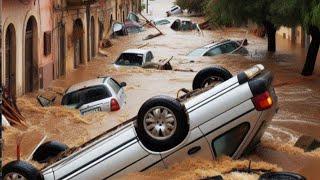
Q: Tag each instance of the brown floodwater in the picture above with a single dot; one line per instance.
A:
(299, 100)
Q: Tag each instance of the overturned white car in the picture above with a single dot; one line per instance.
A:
(226, 119)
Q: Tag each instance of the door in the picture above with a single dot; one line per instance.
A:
(196, 147)
(62, 52)
(29, 62)
(77, 52)
(93, 38)
(10, 77)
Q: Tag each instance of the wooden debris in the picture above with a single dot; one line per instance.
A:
(12, 114)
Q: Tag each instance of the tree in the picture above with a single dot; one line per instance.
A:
(306, 13)
(226, 12)
(196, 6)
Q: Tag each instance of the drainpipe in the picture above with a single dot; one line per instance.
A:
(88, 30)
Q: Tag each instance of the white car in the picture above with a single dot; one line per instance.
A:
(174, 10)
(101, 94)
(134, 57)
(217, 48)
(226, 119)
(161, 21)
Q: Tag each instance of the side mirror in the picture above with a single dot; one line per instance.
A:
(123, 84)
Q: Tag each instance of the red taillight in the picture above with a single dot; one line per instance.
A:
(262, 101)
(114, 105)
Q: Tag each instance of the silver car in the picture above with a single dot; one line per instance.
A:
(214, 119)
(223, 47)
(134, 57)
(101, 94)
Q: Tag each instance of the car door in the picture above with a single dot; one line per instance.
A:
(195, 147)
(95, 99)
(118, 90)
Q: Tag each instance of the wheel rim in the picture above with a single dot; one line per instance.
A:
(160, 123)
(14, 176)
(212, 81)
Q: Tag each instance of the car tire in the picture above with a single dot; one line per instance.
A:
(162, 123)
(207, 76)
(20, 169)
(281, 176)
(48, 150)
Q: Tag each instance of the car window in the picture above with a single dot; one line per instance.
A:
(213, 52)
(130, 59)
(149, 57)
(197, 52)
(228, 47)
(228, 143)
(114, 85)
(85, 96)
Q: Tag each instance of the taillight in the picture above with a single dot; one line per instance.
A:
(262, 101)
(114, 105)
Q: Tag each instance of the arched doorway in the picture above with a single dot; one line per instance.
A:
(31, 56)
(93, 38)
(78, 42)
(10, 61)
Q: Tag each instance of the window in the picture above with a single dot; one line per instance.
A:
(130, 59)
(197, 52)
(229, 47)
(85, 96)
(149, 57)
(114, 85)
(47, 43)
(228, 143)
(213, 52)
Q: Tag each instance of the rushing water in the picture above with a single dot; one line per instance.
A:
(299, 99)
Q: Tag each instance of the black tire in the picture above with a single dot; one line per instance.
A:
(21, 168)
(181, 123)
(48, 150)
(281, 176)
(216, 72)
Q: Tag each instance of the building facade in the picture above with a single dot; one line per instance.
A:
(43, 40)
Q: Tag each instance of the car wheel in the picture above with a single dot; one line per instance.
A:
(48, 150)
(210, 76)
(281, 176)
(20, 170)
(162, 123)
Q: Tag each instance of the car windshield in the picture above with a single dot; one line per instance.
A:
(130, 59)
(84, 96)
(197, 52)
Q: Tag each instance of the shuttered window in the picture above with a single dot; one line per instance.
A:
(47, 43)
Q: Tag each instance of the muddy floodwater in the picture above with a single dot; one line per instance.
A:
(299, 100)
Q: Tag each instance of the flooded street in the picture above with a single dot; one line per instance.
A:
(299, 100)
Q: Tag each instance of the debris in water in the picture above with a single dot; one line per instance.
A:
(307, 143)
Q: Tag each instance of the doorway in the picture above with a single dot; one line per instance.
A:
(93, 38)
(78, 42)
(62, 51)
(10, 62)
(31, 56)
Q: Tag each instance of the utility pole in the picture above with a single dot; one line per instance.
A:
(147, 6)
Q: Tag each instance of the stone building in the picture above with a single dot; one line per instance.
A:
(43, 40)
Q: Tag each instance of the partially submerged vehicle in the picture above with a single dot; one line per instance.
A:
(123, 29)
(159, 22)
(133, 17)
(222, 47)
(101, 94)
(174, 10)
(228, 118)
(184, 25)
(134, 57)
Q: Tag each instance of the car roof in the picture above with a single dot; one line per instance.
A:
(85, 84)
(216, 44)
(136, 51)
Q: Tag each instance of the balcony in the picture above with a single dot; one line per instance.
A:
(80, 2)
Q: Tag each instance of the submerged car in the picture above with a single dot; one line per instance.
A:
(184, 25)
(174, 10)
(101, 94)
(134, 57)
(159, 22)
(212, 120)
(223, 47)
